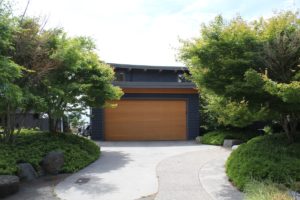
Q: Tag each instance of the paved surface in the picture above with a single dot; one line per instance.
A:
(125, 171)
(196, 175)
(40, 189)
(129, 170)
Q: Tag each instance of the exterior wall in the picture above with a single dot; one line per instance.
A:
(138, 75)
(193, 122)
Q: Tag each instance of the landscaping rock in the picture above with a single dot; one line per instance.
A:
(198, 139)
(8, 185)
(27, 172)
(295, 195)
(53, 162)
(234, 147)
(228, 143)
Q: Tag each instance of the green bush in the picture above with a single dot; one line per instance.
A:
(218, 137)
(268, 157)
(31, 146)
(266, 191)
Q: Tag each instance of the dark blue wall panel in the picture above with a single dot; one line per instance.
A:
(193, 122)
(137, 75)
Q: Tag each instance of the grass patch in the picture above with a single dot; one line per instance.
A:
(268, 157)
(31, 146)
(218, 137)
(266, 191)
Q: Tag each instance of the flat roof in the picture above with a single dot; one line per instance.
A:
(127, 84)
(148, 67)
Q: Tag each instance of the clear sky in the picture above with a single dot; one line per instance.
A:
(144, 31)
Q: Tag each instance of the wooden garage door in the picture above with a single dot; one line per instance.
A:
(146, 120)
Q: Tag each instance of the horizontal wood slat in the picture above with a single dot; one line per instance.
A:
(146, 120)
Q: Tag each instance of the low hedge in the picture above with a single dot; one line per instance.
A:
(31, 146)
(268, 157)
(218, 137)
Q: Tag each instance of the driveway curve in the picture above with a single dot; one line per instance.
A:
(127, 170)
(196, 175)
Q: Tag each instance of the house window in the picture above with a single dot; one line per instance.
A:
(181, 78)
(120, 76)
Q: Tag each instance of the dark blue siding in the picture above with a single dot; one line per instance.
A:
(193, 122)
(137, 75)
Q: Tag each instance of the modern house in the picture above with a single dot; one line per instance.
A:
(158, 104)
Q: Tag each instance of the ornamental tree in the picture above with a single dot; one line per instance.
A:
(250, 70)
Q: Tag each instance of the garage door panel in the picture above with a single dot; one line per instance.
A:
(146, 120)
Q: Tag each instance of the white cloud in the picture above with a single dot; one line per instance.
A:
(137, 31)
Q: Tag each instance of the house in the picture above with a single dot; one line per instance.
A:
(158, 104)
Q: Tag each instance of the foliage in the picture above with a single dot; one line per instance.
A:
(268, 157)
(266, 191)
(47, 71)
(31, 146)
(208, 118)
(250, 70)
(217, 137)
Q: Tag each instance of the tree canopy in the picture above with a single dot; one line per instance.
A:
(249, 71)
(46, 71)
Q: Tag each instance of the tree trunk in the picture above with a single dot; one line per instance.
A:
(289, 123)
(51, 124)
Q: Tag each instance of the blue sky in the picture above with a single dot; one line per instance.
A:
(144, 31)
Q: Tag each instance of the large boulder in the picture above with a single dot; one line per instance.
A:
(27, 172)
(53, 162)
(8, 185)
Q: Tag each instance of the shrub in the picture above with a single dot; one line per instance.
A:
(31, 146)
(268, 157)
(218, 137)
(266, 191)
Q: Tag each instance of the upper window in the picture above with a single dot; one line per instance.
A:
(120, 76)
(181, 78)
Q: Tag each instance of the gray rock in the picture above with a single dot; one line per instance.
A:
(53, 162)
(8, 185)
(228, 143)
(27, 172)
(234, 147)
(295, 195)
(198, 139)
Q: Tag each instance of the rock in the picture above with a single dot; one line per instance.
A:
(53, 162)
(234, 147)
(198, 139)
(27, 172)
(8, 185)
(228, 143)
(295, 195)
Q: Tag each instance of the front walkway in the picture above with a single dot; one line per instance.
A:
(129, 170)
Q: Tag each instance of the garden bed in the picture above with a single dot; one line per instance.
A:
(268, 157)
(32, 146)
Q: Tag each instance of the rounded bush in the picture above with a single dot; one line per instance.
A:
(268, 157)
(32, 146)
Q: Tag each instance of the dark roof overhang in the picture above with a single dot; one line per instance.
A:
(161, 85)
(148, 67)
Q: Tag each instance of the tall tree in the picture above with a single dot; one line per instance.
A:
(250, 70)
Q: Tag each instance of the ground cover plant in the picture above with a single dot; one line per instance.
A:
(31, 146)
(269, 157)
(217, 137)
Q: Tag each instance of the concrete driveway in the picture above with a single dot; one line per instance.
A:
(125, 171)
